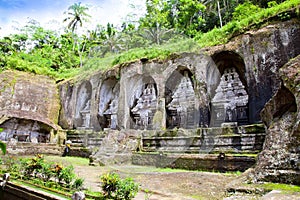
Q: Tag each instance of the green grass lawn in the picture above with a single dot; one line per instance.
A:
(75, 161)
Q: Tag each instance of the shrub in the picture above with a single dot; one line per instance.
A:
(109, 184)
(126, 189)
(78, 183)
(115, 188)
(245, 10)
(66, 174)
(46, 171)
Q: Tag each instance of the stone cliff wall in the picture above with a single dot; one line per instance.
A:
(280, 159)
(179, 92)
(29, 105)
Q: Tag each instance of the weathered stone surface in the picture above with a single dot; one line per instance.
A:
(116, 148)
(109, 100)
(28, 96)
(195, 161)
(31, 103)
(280, 159)
(256, 56)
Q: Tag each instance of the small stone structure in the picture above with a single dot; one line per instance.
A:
(181, 109)
(230, 104)
(83, 107)
(108, 103)
(144, 109)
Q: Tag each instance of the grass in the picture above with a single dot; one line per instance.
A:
(285, 188)
(170, 170)
(75, 161)
(160, 52)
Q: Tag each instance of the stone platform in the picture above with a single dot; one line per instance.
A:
(212, 149)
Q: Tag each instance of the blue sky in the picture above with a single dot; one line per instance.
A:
(15, 14)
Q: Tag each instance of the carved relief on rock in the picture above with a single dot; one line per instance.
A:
(22, 130)
(181, 109)
(230, 103)
(108, 104)
(83, 106)
(145, 108)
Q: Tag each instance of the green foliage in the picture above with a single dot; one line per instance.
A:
(115, 188)
(33, 166)
(222, 35)
(2, 145)
(189, 17)
(165, 30)
(244, 10)
(135, 54)
(66, 175)
(78, 183)
(76, 15)
(109, 184)
(126, 189)
(46, 172)
(43, 173)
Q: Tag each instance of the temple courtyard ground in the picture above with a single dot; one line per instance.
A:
(172, 184)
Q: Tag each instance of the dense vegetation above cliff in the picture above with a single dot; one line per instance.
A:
(167, 28)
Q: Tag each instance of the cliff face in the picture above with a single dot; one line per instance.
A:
(280, 159)
(115, 99)
(29, 105)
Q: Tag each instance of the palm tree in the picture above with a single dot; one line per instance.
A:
(77, 14)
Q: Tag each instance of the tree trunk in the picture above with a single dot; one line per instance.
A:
(219, 12)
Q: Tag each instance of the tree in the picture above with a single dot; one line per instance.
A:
(190, 16)
(184, 16)
(77, 14)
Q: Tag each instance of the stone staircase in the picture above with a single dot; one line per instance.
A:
(84, 141)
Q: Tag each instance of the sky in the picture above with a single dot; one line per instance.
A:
(14, 14)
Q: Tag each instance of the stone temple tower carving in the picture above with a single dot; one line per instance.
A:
(230, 103)
(145, 108)
(182, 107)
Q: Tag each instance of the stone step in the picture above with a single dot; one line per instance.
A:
(204, 150)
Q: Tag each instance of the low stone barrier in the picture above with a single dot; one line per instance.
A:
(207, 162)
(19, 192)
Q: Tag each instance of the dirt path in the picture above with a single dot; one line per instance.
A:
(181, 185)
(166, 184)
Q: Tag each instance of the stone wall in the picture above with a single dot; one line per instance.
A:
(195, 161)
